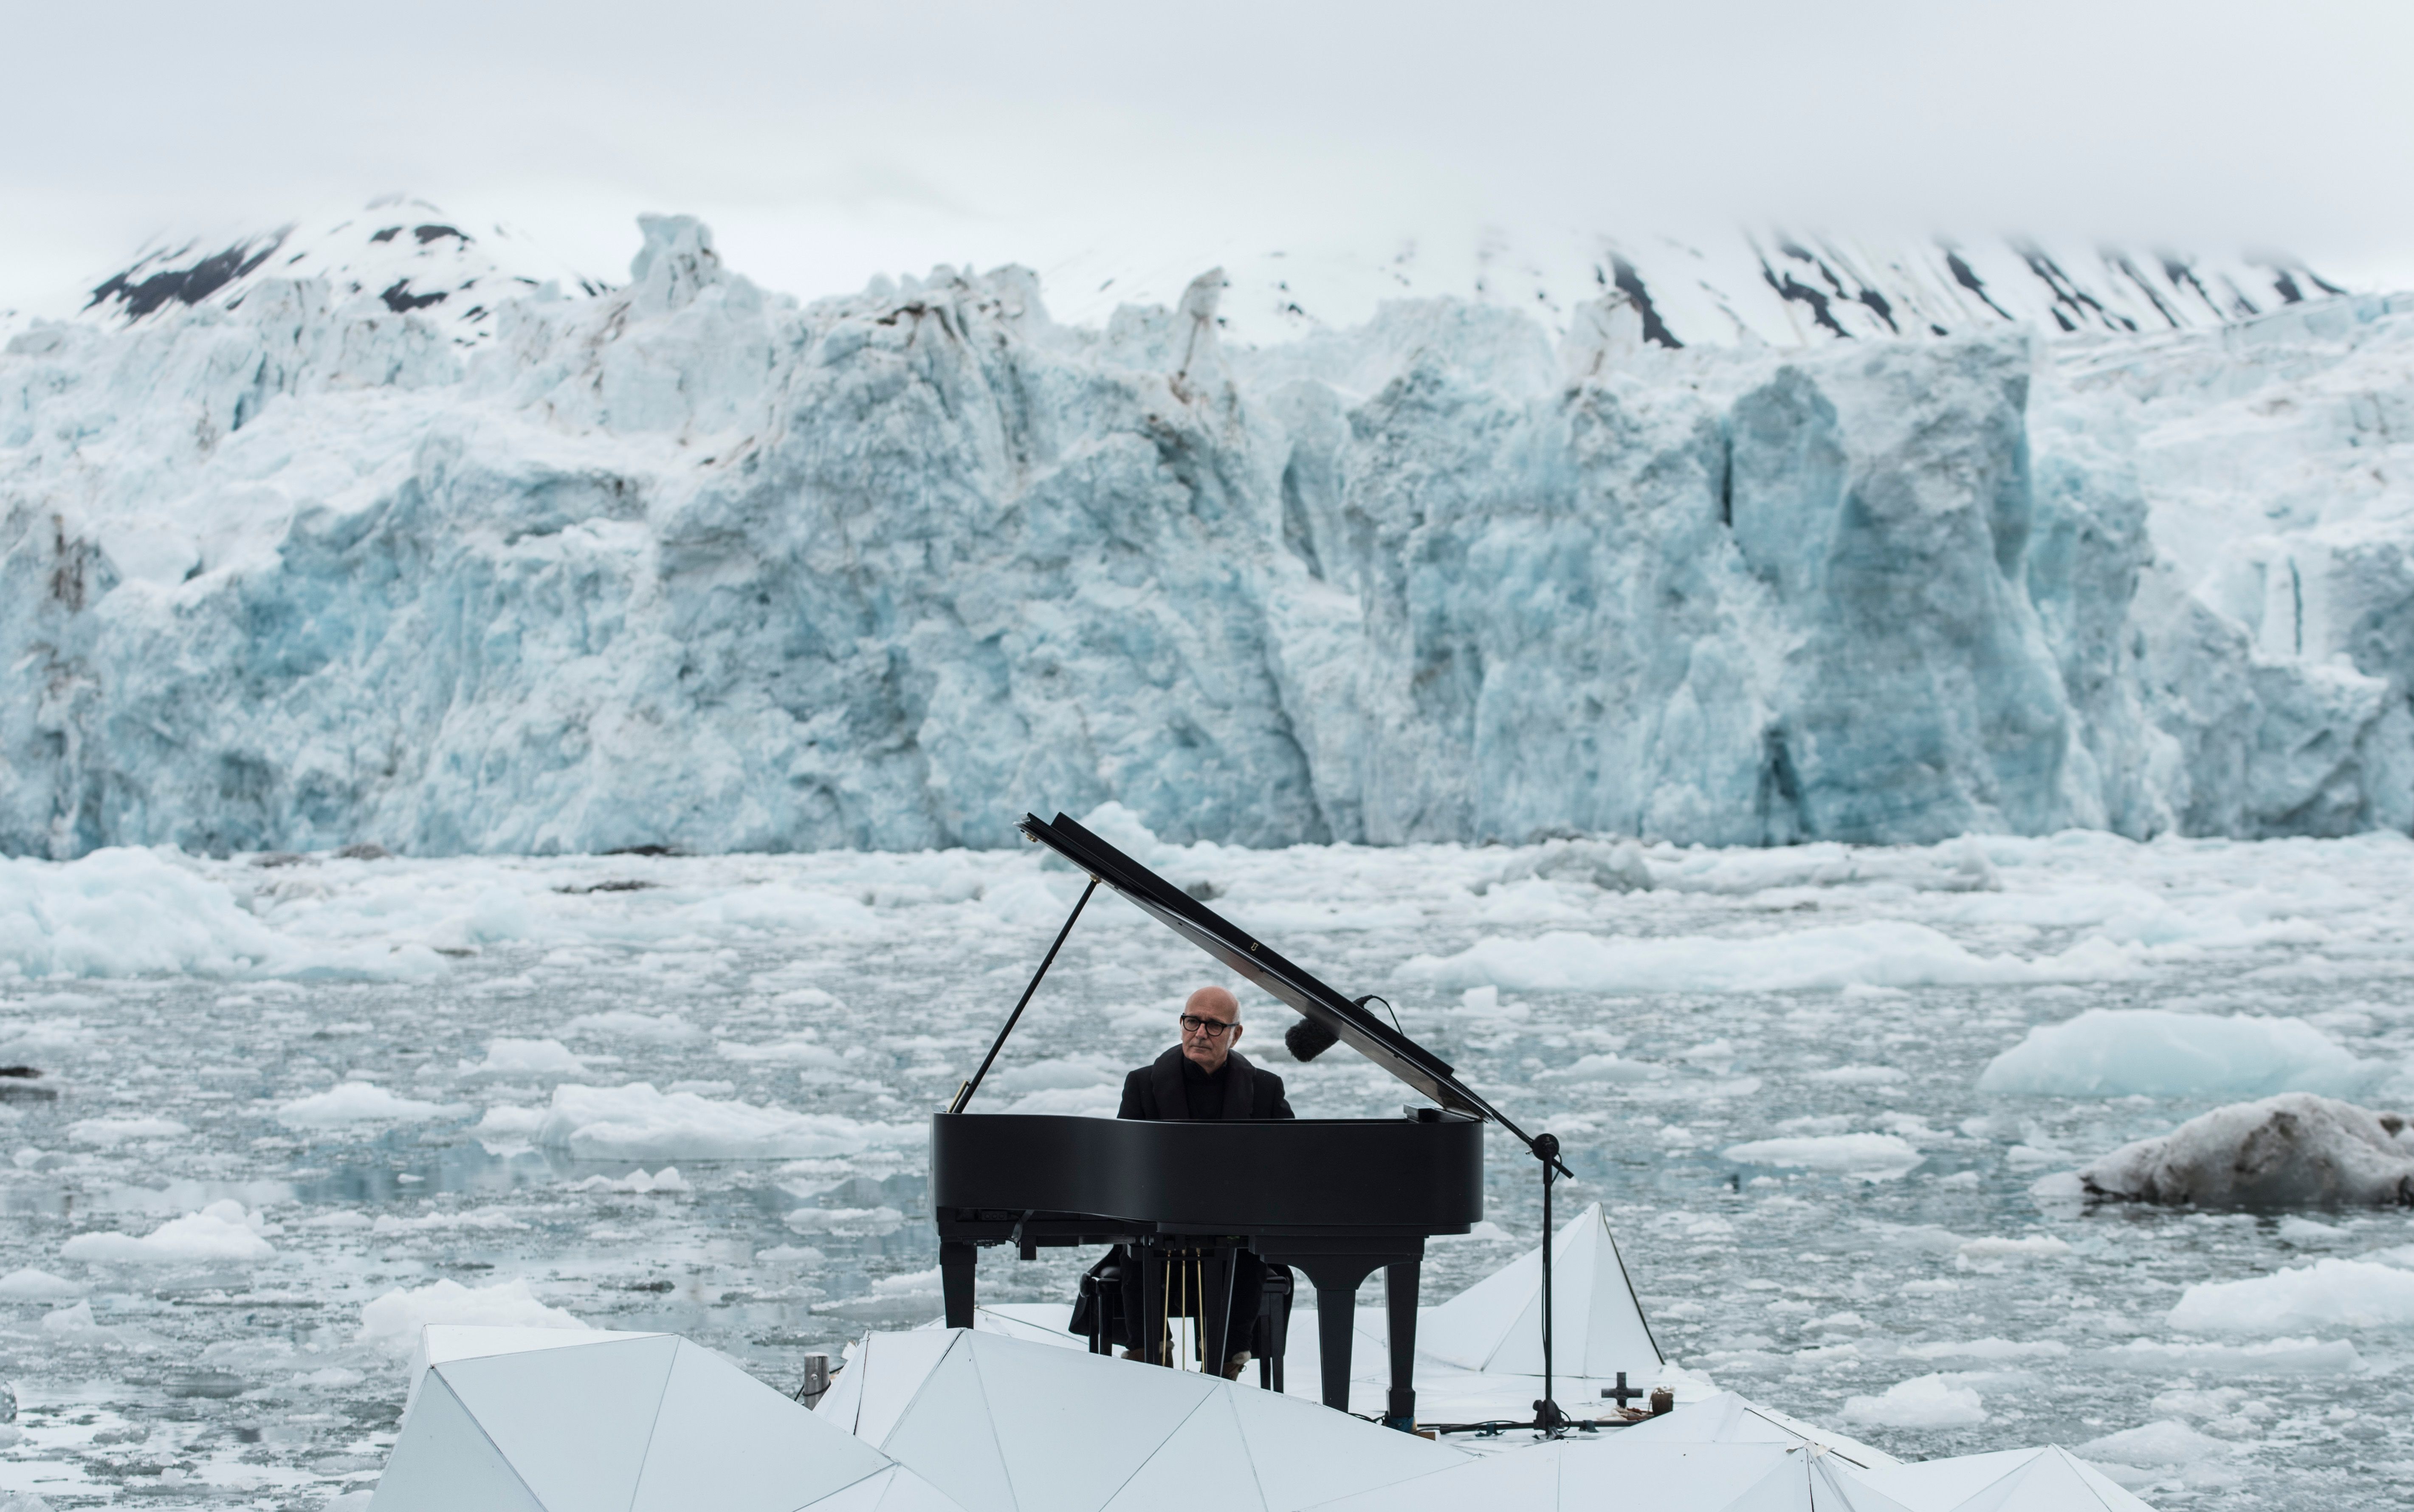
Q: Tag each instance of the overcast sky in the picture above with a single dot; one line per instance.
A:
(829, 143)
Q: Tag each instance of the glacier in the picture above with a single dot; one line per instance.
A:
(687, 564)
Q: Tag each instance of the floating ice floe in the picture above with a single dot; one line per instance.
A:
(525, 1057)
(1886, 952)
(28, 1284)
(2116, 1052)
(123, 1131)
(637, 1422)
(222, 1232)
(2295, 1150)
(639, 1122)
(2328, 1293)
(1872, 1157)
(360, 1102)
(392, 1322)
(125, 911)
(1937, 1400)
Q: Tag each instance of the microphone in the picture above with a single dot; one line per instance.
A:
(1307, 1039)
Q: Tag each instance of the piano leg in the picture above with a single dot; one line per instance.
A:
(956, 1262)
(1216, 1308)
(1336, 1318)
(1151, 1326)
(1400, 1308)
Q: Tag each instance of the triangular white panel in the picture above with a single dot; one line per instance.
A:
(1073, 1426)
(909, 1492)
(444, 1462)
(1834, 1488)
(2009, 1480)
(724, 1433)
(945, 1437)
(1939, 1485)
(1608, 1475)
(1725, 1418)
(2053, 1481)
(574, 1423)
(1204, 1467)
(440, 1343)
(1785, 1487)
(892, 1368)
(1597, 1327)
(1522, 1480)
(1306, 1453)
(862, 1496)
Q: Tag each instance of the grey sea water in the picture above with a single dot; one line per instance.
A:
(1848, 1002)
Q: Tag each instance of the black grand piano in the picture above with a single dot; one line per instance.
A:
(1335, 1198)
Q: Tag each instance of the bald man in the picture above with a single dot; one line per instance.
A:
(1204, 1078)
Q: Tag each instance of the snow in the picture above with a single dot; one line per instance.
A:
(391, 1322)
(360, 1102)
(1450, 574)
(220, 1232)
(2115, 1052)
(2328, 1293)
(1922, 1401)
(2294, 1150)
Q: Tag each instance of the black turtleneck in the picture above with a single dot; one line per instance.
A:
(1202, 1090)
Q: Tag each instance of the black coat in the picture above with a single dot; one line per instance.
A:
(1155, 1091)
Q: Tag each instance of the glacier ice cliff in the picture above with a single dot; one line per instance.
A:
(683, 563)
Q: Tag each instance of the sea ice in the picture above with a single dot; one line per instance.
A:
(2167, 1442)
(523, 1058)
(222, 1231)
(1877, 953)
(637, 1122)
(2295, 1150)
(1922, 1401)
(2328, 1293)
(360, 1102)
(392, 1321)
(31, 1285)
(2115, 1052)
(1873, 1157)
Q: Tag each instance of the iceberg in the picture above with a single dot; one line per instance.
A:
(2294, 1150)
(541, 568)
(2118, 1052)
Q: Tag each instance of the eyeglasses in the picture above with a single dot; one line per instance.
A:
(1211, 1028)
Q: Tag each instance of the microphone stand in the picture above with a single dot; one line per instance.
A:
(1548, 1419)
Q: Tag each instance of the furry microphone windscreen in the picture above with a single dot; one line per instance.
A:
(1307, 1039)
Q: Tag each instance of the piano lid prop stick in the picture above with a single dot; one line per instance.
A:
(964, 1093)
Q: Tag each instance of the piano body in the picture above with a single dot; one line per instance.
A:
(1334, 1198)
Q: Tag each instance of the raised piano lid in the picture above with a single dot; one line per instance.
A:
(1258, 962)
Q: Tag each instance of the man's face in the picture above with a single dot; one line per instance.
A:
(1210, 1022)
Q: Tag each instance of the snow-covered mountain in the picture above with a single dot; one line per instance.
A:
(292, 563)
(400, 253)
(1776, 287)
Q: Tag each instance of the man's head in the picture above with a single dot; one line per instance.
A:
(1211, 1024)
